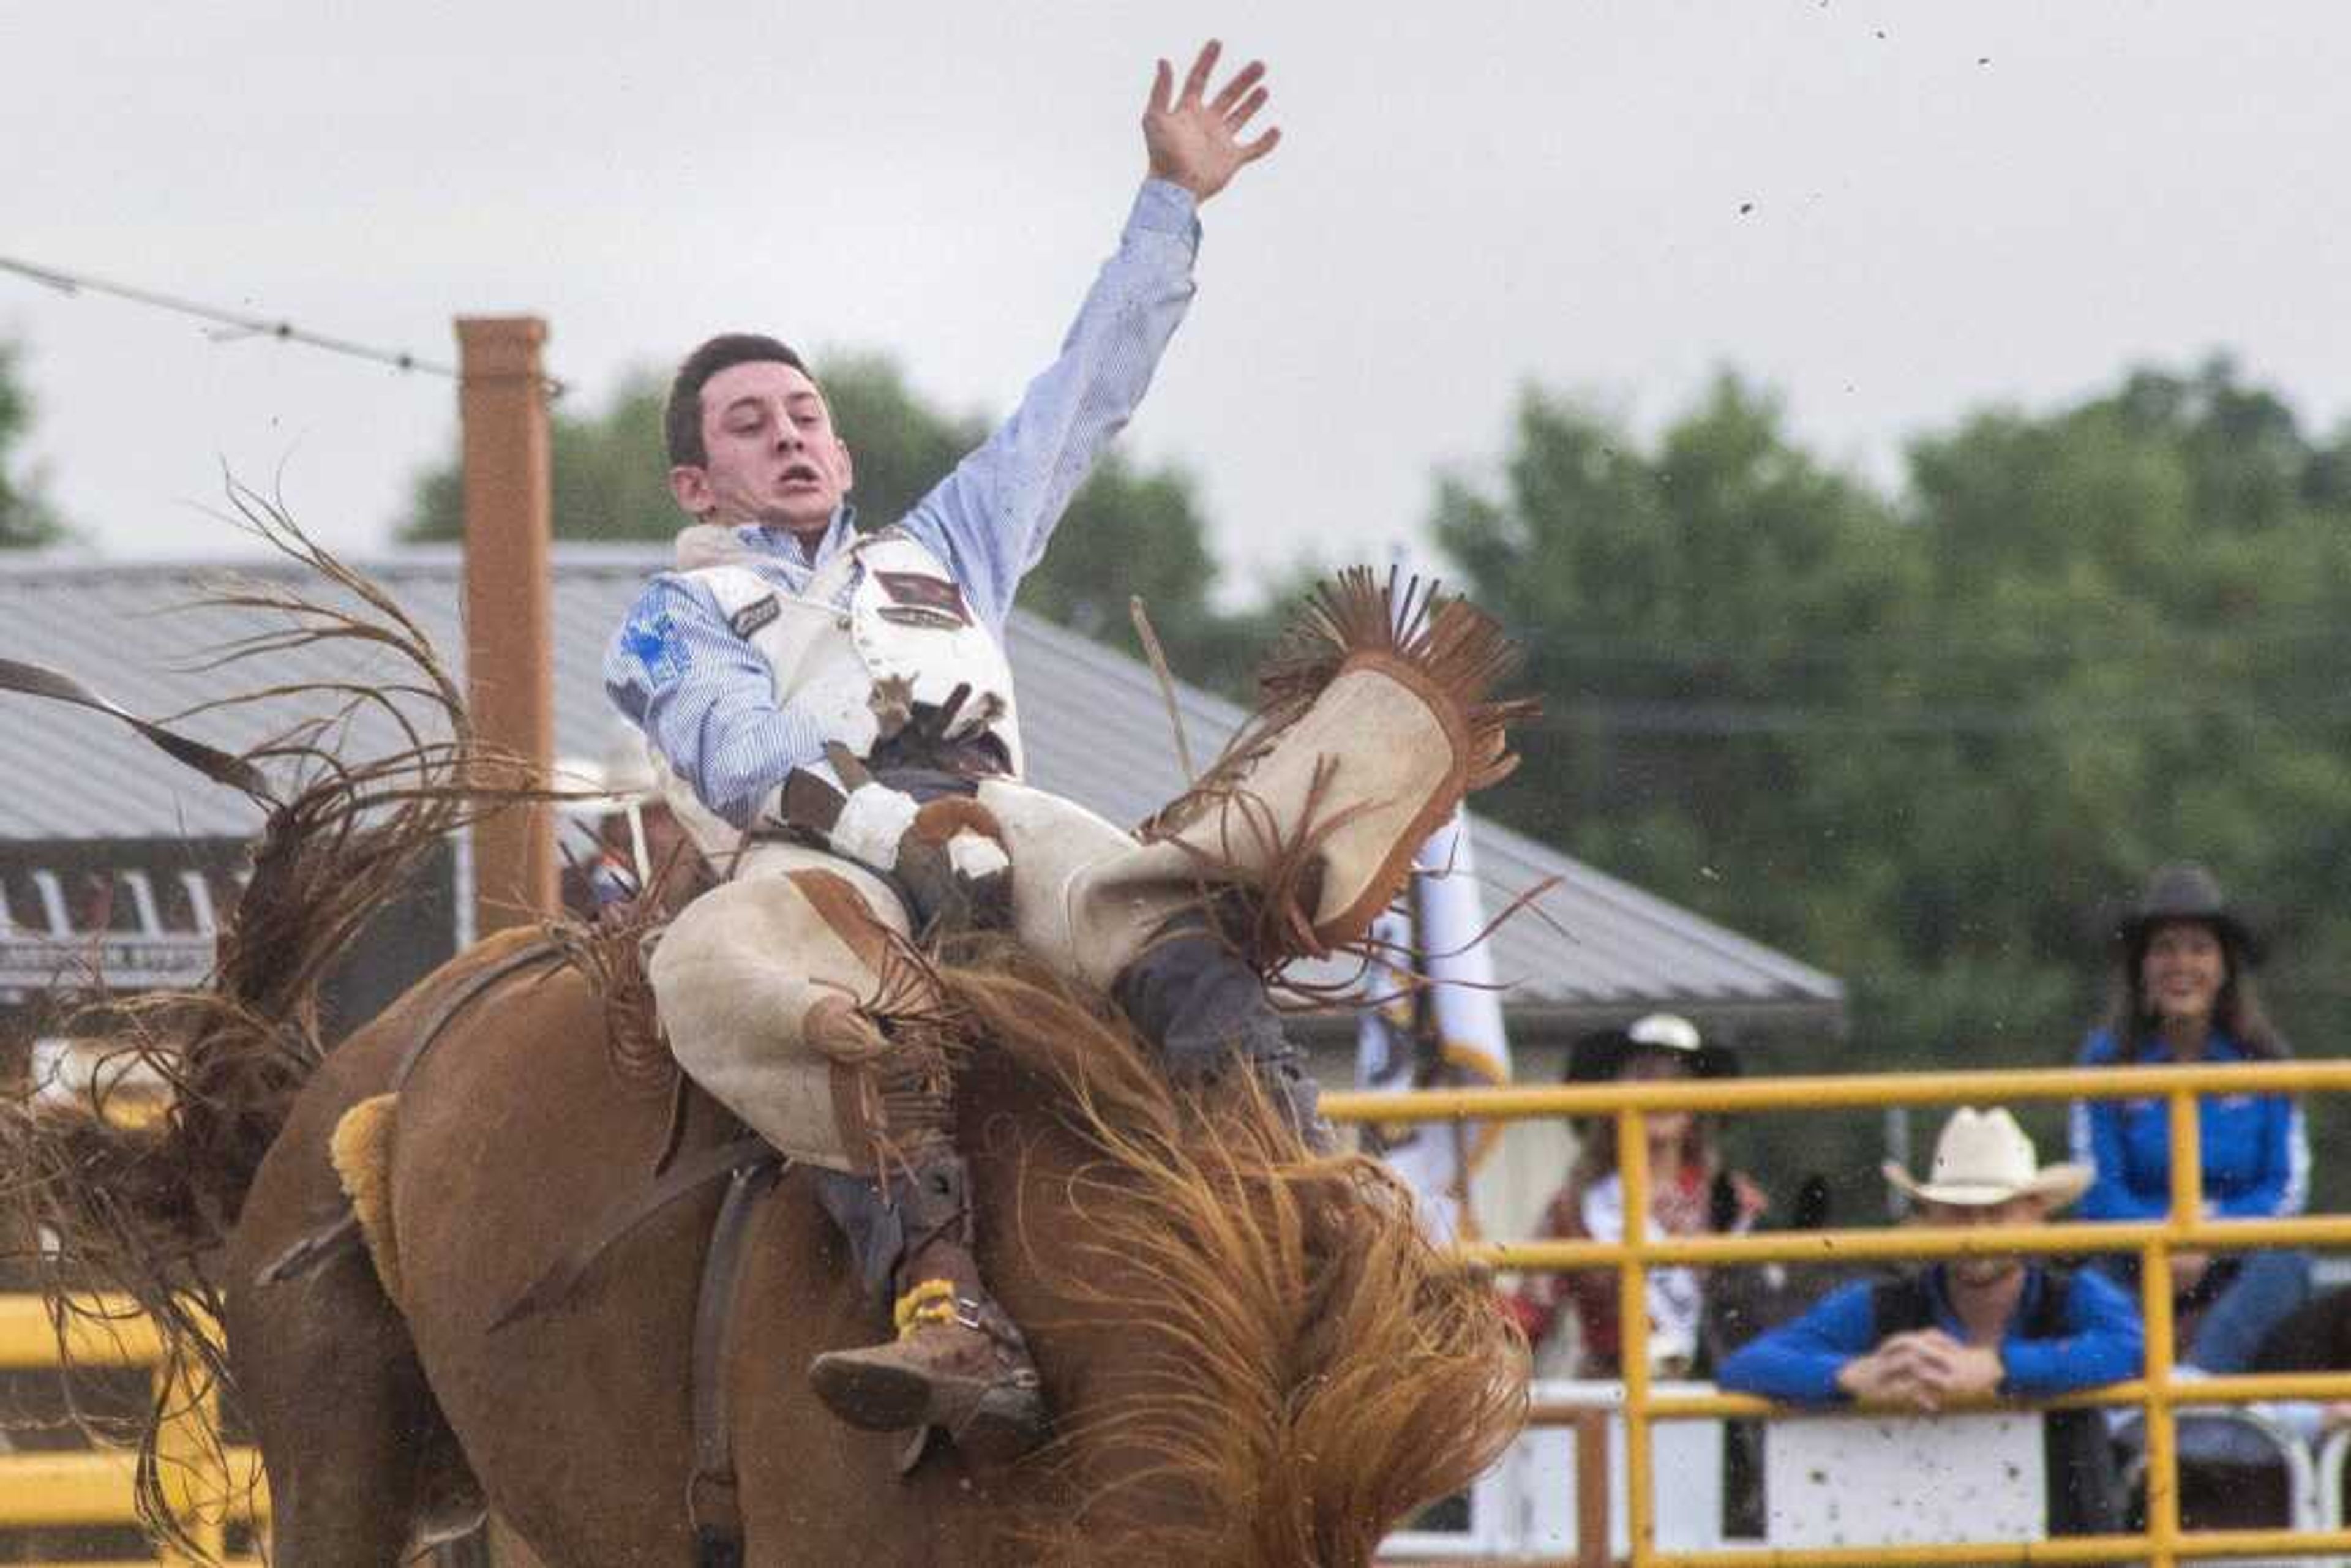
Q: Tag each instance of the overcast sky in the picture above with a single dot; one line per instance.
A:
(1943, 206)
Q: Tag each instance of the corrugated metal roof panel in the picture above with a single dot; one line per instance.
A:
(1094, 721)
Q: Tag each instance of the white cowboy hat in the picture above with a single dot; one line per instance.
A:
(1983, 1157)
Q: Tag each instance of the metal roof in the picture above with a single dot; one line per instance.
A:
(1094, 720)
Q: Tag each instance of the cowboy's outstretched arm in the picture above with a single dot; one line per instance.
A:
(991, 518)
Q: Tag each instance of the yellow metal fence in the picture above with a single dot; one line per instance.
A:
(65, 1488)
(2158, 1391)
(95, 1487)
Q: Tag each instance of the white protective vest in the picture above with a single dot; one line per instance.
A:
(908, 636)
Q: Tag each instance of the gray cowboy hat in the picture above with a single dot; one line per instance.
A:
(1597, 1057)
(2186, 892)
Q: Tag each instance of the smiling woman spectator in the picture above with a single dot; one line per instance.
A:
(2186, 994)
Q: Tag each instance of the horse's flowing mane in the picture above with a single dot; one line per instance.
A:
(1311, 1368)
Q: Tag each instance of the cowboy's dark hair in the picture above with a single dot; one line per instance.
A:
(2237, 1011)
(682, 418)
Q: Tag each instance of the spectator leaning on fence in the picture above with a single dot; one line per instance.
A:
(2186, 994)
(1691, 1194)
(1972, 1326)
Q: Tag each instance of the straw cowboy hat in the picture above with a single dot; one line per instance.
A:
(1983, 1157)
(2186, 892)
(1600, 1055)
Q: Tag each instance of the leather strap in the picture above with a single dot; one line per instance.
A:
(713, 1501)
(696, 1170)
(313, 1250)
(536, 954)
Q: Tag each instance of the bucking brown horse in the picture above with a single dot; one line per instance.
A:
(1251, 1354)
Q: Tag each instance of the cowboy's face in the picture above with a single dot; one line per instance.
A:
(2183, 971)
(1979, 1271)
(772, 457)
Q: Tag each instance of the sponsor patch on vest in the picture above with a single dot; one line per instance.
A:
(931, 600)
(753, 616)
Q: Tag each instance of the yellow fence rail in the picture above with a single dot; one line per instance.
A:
(95, 1487)
(210, 1486)
(2164, 1541)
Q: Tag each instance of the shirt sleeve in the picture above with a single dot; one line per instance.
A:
(1800, 1359)
(705, 700)
(2284, 1186)
(989, 520)
(2104, 1342)
(2095, 1133)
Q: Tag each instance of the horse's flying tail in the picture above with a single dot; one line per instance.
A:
(137, 1209)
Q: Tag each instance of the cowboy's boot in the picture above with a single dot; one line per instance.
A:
(958, 1364)
(1205, 1010)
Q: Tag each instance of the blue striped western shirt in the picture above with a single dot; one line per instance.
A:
(706, 698)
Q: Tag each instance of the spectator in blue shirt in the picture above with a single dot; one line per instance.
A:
(2186, 994)
(1972, 1326)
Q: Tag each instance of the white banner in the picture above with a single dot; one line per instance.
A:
(1449, 1034)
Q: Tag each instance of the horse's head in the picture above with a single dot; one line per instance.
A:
(1254, 1354)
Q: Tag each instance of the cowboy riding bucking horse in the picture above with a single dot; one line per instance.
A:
(832, 714)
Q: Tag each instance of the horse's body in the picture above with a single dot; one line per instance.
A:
(577, 1420)
(514, 1138)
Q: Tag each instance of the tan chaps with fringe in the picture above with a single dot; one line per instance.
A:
(770, 986)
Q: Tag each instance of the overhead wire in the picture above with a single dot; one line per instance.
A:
(231, 326)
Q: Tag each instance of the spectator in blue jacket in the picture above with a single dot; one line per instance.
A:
(1972, 1326)
(2186, 994)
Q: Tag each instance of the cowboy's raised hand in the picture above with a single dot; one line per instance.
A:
(1194, 138)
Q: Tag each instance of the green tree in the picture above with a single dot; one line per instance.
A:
(26, 519)
(1687, 611)
(2156, 580)
(609, 479)
(1923, 742)
(1130, 531)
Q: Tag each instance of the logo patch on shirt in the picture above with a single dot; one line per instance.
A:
(753, 616)
(923, 600)
(653, 641)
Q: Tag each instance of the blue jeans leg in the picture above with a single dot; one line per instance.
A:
(2268, 1286)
